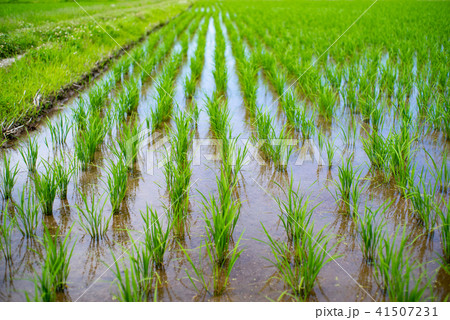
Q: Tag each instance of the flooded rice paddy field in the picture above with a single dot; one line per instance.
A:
(348, 277)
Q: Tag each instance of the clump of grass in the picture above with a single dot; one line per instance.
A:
(326, 101)
(116, 183)
(59, 130)
(370, 232)
(27, 212)
(91, 218)
(8, 177)
(376, 149)
(396, 271)
(348, 177)
(423, 201)
(129, 140)
(98, 95)
(155, 238)
(127, 100)
(445, 233)
(331, 150)
(46, 184)
(6, 229)
(30, 154)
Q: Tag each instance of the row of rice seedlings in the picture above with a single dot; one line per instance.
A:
(89, 138)
(27, 212)
(197, 61)
(278, 148)
(30, 154)
(91, 217)
(164, 92)
(6, 229)
(220, 68)
(219, 116)
(396, 271)
(59, 130)
(55, 267)
(370, 231)
(8, 177)
(273, 71)
(178, 170)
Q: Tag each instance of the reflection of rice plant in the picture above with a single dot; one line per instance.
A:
(8, 177)
(6, 229)
(27, 211)
(46, 184)
(91, 218)
(30, 154)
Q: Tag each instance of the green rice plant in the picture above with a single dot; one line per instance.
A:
(423, 201)
(59, 130)
(46, 185)
(355, 193)
(63, 175)
(396, 271)
(278, 79)
(281, 149)
(57, 257)
(155, 238)
(299, 269)
(376, 149)
(347, 177)
(326, 101)
(30, 154)
(98, 95)
(44, 285)
(219, 116)
(80, 115)
(441, 174)
(116, 183)
(127, 100)
(444, 232)
(190, 85)
(306, 124)
(6, 229)
(350, 99)
(376, 117)
(88, 139)
(129, 139)
(221, 216)
(370, 231)
(91, 218)
(8, 177)
(27, 212)
(136, 283)
(331, 150)
(220, 274)
(295, 214)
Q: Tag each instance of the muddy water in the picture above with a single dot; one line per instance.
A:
(253, 278)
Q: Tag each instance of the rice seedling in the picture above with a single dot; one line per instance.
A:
(295, 214)
(27, 212)
(63, 175)
(6, 229)
(331, 150)
(370, 231)
(423, 201)
(190, 85)
(30, 154)
(91, 217)
(98, 95)
(376, 149)
(444, 232)
(281, 149)
(136, 283)
(129, 139)
(8, 177)
(220, 274)
(441, 174)
(46, 185)
(155, 237)
(299, 269)
(219, 116)
(57, 258)
(59, 130)
(347, 177)
(396, 271)
(116, 183)
(44, 285)
(127, 100)
(326, 101)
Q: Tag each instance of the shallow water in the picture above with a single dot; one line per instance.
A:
(253, 278)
